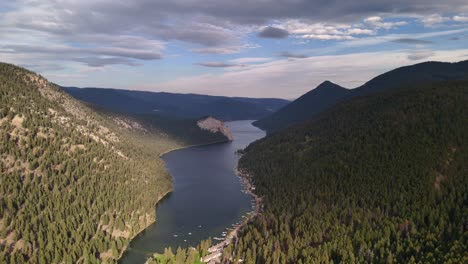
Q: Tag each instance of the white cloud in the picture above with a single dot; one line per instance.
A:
(326, 37)
(378, 22)
(360, 31)
(460, 18)
(250, 60)
(336, 31)
(433, 20)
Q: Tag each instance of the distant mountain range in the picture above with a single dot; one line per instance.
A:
(178, 105)
(328, 94)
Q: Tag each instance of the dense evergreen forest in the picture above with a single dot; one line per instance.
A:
(75, 185)
(378, 179)
(182, 255)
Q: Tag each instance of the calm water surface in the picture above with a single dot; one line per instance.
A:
(207, 196)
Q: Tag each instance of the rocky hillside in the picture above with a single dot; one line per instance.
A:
(214, 126)
(75, 184)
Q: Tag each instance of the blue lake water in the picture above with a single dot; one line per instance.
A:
(207, 196)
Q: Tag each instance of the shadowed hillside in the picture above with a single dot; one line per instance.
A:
(304, 107)
(377, 179)
(178, 105)
(318, 101)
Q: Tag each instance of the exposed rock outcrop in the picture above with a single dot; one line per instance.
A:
(214, 125)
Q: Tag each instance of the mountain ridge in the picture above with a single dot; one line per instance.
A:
(402, 76)
(179, 105)
(324, 95)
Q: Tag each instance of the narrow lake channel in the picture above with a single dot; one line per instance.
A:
(207, 196)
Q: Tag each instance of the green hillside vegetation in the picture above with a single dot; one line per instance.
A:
(181, 255)
(378, 179)
(75, 185)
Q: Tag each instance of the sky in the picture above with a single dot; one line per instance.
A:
(254, 48)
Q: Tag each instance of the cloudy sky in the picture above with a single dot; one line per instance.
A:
(257, 48)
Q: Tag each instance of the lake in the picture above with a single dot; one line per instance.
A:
(207, 196)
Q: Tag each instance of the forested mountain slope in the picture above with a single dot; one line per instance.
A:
(75, 185)
(378, 179)
(321, 99)
(178, 105)
(314, 101)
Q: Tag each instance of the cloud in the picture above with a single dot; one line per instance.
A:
(215, 64)
(100, 62)
(250, 60)
(273, 32)
(378, 22)
(420, 54)
(412, 41)
(226, 49)
(324, 31)
(360, 31)
(132, 33)
(292, 55)
(326, 37)
(94, 57)
(222, 50)
(460, 18)
(433, 20)
(375, 40)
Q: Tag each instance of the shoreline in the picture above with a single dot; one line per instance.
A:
(192, 146)
(143, 229)
(216, 250)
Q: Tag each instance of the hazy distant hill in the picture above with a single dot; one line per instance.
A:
(77, 184)
(180, 105)
(376, 179)
(329, 94)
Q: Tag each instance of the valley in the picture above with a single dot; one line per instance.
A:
(233, 132)
(207, 197)
(368, 175)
